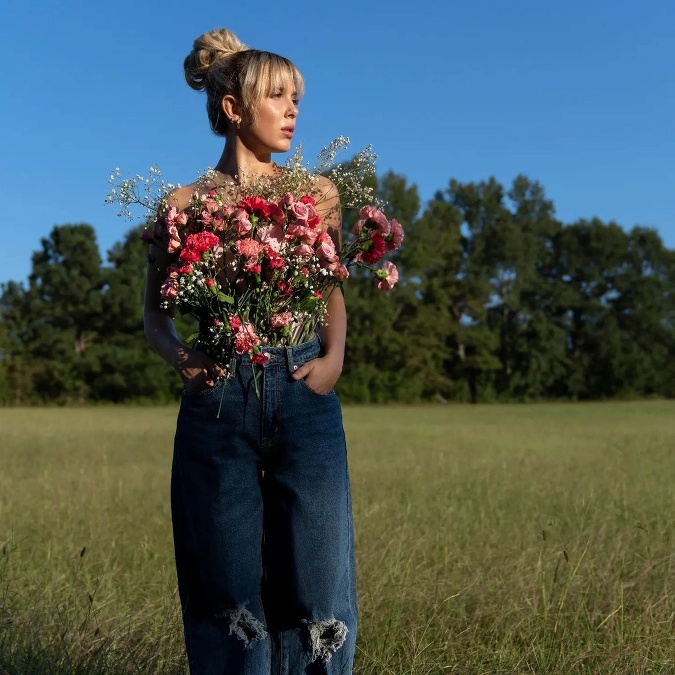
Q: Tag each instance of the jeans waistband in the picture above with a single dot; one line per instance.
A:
(287, 356)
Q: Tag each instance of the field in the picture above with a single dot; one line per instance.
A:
(490, 539)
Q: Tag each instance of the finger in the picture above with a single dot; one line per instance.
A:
(302, 371)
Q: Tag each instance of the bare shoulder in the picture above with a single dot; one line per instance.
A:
(326, 192)
(180, 197)
(328, 206)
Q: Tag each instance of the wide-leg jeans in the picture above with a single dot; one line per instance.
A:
(262, 522)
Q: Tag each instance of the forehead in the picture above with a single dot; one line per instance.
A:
(282, 77)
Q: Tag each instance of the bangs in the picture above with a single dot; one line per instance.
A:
(266, 73)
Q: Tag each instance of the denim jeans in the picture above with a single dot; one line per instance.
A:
(262, 523)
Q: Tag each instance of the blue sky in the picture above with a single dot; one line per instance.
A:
(577, 95)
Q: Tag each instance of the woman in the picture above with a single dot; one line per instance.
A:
(260, 494)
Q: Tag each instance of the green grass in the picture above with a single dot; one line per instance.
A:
(490, 539)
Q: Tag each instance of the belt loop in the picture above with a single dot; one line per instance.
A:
(289, 359)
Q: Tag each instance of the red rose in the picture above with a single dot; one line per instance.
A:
(259, 358)
(306, 199)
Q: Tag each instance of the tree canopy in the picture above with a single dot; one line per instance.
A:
(497, 300)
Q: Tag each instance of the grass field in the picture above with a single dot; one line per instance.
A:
(496, 539)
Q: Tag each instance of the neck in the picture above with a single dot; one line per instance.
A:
(239, 160)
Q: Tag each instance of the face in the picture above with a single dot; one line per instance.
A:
(272, 130)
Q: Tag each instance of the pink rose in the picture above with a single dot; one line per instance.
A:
(313, 218)
(271, 235)
(211, 205)
(300, 211)
(296, 230)
(287, 201)
(303, 251)
(386, 276)
(325, 248)
(205, 217)
(281, 319)
(241, 222)
(309, 236)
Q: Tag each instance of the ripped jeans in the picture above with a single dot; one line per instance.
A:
(262, 523)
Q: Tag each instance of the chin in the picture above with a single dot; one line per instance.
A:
(284, 146)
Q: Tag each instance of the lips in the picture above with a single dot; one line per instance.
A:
(288, 131)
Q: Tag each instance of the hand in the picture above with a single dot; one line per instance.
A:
(320, 374)
(197, 369)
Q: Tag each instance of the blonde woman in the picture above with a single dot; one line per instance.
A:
(260, 494)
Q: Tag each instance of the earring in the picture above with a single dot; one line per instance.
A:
(237, 122)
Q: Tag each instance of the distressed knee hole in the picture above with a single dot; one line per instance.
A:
(325, 638)
(244, 625)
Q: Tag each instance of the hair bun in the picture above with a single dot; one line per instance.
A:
(208, 48)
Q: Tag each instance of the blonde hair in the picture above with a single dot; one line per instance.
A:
(221, 64)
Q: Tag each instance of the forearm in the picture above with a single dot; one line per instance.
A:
(334, 333)
(161, 334)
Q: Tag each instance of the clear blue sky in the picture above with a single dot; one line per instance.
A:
(577, 95)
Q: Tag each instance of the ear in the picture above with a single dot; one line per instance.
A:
(231, 107)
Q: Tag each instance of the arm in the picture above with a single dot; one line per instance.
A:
(321, 374)
(196, 369)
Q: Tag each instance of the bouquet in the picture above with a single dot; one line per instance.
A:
(258, 271)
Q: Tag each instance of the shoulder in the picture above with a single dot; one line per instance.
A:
(327, 198)
(180, 197)
(326, 189)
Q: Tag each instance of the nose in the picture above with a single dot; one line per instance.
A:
(292, 109)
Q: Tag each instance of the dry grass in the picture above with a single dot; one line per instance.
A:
(502, 539)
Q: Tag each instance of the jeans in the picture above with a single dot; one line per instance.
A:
(262, 523)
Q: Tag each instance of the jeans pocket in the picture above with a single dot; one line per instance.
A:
(316, 393)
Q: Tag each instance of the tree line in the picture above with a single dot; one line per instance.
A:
(497, 300)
